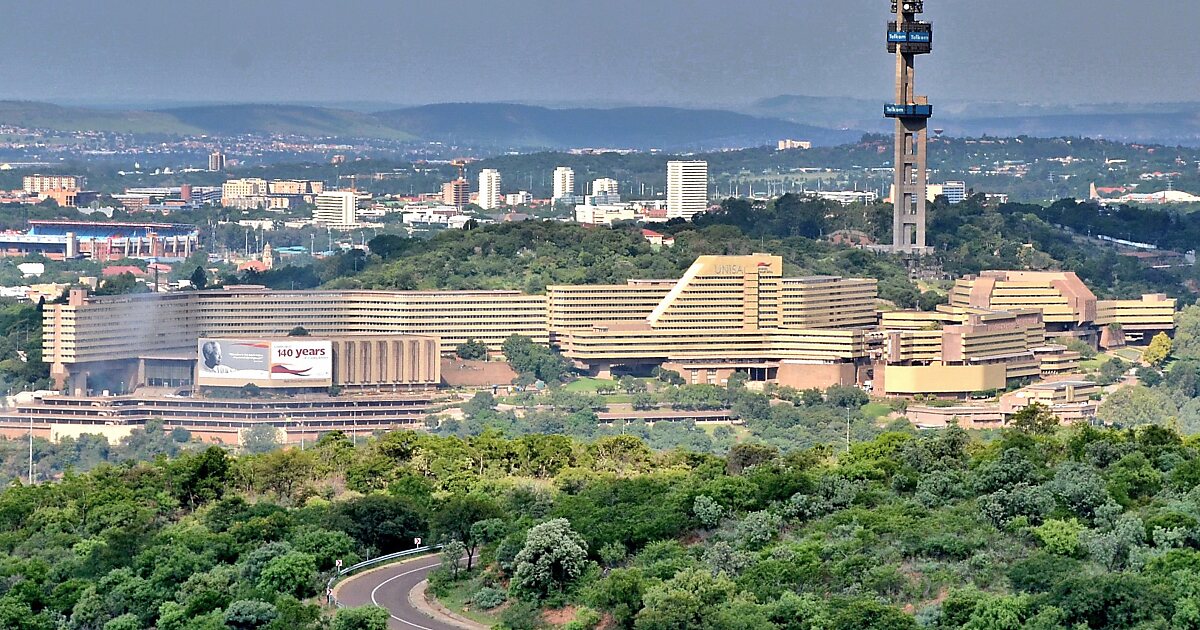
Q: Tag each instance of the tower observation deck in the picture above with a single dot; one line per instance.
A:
(908, 37)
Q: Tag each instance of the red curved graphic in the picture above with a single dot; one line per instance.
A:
(283, 369)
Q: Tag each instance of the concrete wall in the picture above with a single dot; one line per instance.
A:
(900, 380)
(803, 376)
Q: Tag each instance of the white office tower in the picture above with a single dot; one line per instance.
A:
(489, 189)
(956, 192)
(687, 189)
(564, 183)
(606, 186)
(336, 209)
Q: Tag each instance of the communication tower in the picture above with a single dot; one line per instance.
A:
(908, 37)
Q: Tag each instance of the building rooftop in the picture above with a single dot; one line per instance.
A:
(1057, 385)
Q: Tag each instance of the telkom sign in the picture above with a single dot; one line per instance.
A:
(264, 362)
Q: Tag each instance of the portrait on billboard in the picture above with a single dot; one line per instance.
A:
(238, 361)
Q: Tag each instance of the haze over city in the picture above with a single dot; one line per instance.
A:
(690, 52)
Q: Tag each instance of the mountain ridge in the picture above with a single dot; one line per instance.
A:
(494, 125)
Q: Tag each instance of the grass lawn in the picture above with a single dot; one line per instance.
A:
(1130, 354)
(1094, 363)
(740, 432)
(458, 600)
(587, 385)
(876, 410)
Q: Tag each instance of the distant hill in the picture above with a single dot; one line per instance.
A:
(298, 120)
(33, 115)
(823, 111)
(625, 127)
(1161, 123)
(1179, 128)
(493, 125)
(822, 120)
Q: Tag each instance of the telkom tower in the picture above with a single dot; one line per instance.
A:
(908, 37)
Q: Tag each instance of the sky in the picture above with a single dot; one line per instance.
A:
(681, 52)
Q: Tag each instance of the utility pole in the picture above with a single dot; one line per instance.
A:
(847, 430)
(31, 448)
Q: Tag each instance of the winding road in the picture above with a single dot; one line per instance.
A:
(389, 587)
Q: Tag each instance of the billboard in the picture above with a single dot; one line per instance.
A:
(294, 362)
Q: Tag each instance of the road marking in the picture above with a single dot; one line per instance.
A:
(392, 579)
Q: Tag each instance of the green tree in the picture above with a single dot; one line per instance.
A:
(362, 618)
(1079, 487)
(1036, 419)
(1136, 406)
(452, 558)
(530, 358)
(128, 621)
(1060, 537)
(554, 556)
(122, 284)
(685, 601)
(199, 279)
(260, 438)
(1187, 333)
(847, 397)
(707, 511)
(643, 402)
(482, 404)
(472, 350)
(999, 613)
(250, 615)
(1112, 371)
(293, 573)
(1158, 351)
(631, 385)
(385, 523)
(298, 331)
(388, 246)
(863, 614)
(201, 478)
(456, 519)
(620, 594)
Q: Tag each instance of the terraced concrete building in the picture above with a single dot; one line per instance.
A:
(726, 314)
(1068, 306)
(93, 336)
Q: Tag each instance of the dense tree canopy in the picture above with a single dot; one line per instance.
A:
(1028, 527)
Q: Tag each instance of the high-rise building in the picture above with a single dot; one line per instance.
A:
(564, 183)
(522, 198)
(234, 191)
(908, 37)
(489, 189)
(456, 193)
(687, 189)
(337, 209)
(295, 187)
(36, 184)
(788, 144)
(955, 192)
(216, 161)
(606, 186)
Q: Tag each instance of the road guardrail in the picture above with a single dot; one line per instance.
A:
(355, 568)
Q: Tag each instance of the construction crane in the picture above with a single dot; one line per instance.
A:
(353, 181)
(461, 165)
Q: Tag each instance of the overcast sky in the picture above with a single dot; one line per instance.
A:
(693, 52)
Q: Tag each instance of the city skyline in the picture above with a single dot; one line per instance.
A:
(654, 53)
